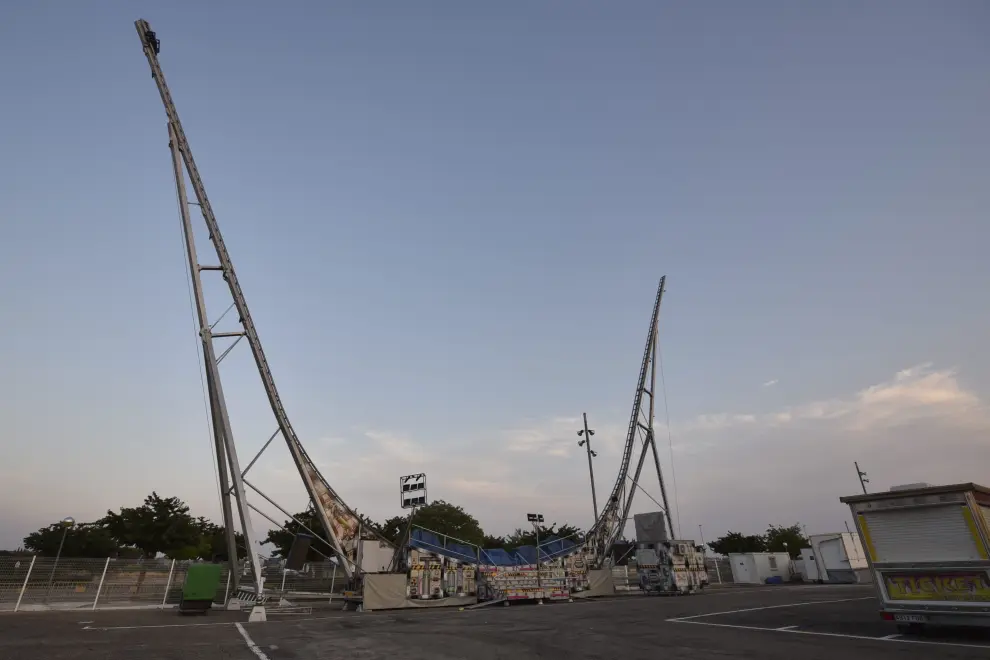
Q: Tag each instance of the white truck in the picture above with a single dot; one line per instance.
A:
(927, 547)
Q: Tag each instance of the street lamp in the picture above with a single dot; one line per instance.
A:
(585, 441)
(863, 479)
(536, 519)
(66, 523)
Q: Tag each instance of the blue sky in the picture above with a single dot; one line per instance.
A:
(450, 219)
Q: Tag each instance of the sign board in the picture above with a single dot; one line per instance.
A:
(412, 491)
(960, 586)
(296, 558)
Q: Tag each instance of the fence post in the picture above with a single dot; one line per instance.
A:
(24, 586)
(168, 585)
(718, 573)
(283, 580)
(226, 592)
(102, 578)
(333, 580)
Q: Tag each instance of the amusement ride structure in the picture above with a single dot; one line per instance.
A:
(343, 529)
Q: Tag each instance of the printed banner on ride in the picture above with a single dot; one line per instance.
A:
(971, 586)
(345, 526)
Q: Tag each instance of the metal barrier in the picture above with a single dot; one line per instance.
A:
(44, 583)
(719, 570)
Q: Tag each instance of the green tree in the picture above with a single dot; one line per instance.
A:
(528, 536)
(213, 541)
(449, 519)
(786, 539)
(159, 526)
(83, 540)
(282, 539)
(393, 528)
(492, 542)
(736, 542)
(570, 532)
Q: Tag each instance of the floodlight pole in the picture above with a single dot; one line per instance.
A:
(591, 469)
(418, 485)
(863, 479)
(536, 519)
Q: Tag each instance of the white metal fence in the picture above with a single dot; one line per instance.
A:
(34, 582)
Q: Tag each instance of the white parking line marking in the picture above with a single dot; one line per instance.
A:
(894, 640)
(772, 607)
(250, 643)
(163, 625)
(221, 623)
(894, 636)
(782, 628)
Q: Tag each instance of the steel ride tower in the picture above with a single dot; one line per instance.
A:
(342, 527)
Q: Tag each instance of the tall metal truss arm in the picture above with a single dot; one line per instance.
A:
(222, 435)
(612, 520)
(307, 470)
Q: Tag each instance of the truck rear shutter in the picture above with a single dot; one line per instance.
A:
(932, 533)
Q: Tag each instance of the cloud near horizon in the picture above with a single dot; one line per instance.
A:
(735, 470)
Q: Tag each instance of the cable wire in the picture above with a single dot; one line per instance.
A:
(670, 441)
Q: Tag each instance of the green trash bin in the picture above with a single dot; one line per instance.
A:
(200, 588)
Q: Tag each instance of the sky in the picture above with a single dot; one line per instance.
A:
(449, 220)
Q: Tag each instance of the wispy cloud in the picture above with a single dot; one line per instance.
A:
(912, 394)
(770, 383)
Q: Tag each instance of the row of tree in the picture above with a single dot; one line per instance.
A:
(164, 526)
(440, 517)
(160, 526)
(776, 539)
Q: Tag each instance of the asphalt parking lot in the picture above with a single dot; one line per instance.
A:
(775, 623)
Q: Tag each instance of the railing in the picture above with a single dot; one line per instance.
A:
(719, 570)
(44, 583)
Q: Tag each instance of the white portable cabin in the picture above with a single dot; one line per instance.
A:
(838, 557)
(929, 551)
(375, 556)
(756, 567)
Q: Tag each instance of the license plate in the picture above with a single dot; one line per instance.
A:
(911, 618)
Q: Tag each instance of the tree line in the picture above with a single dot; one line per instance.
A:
(165, 526)
(788, 539)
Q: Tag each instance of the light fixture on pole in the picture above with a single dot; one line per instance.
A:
(412, 494)
(863, 479)
(537, 519)
(412, 491)
(66, 523)
(585, 441)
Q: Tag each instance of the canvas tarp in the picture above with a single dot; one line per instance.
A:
(387, 591)
(600, 583)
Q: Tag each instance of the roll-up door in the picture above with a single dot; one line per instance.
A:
(931, 533)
